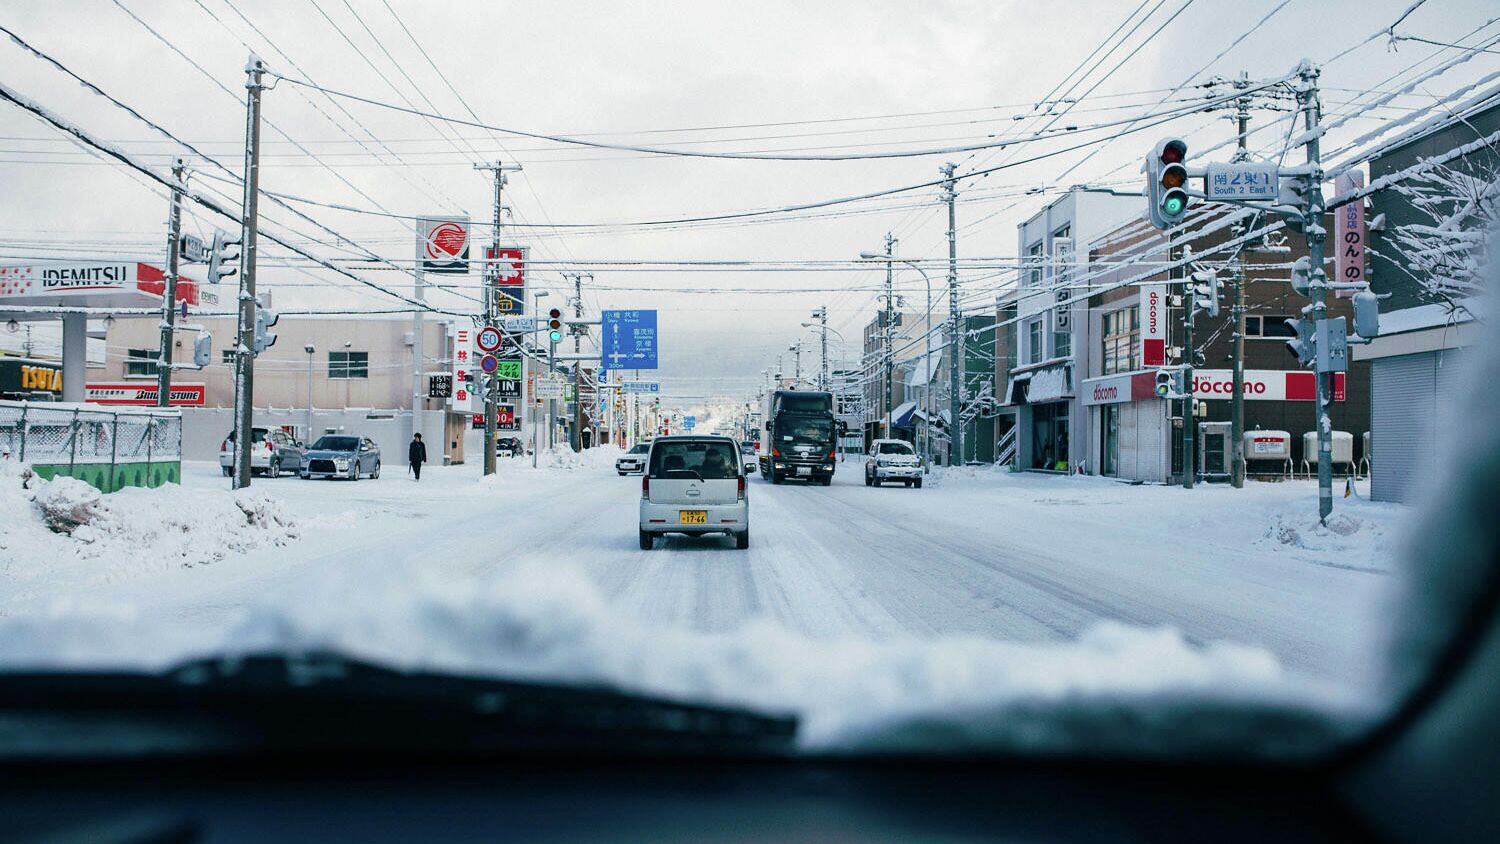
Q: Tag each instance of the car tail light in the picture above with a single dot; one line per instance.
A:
(742, 487)
(268, 445)
(645, 487)
(225, 445)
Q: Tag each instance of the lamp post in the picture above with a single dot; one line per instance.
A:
(927, 358)
(309, 349)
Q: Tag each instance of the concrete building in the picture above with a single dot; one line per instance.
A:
(1039, 396)
(358, 378)
(1132, 434)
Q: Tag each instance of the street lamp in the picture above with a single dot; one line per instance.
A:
(309, 349)
(926, 360)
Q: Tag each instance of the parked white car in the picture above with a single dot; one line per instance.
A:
(694, 486)
(893, 460)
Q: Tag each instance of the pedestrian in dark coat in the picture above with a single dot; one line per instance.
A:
(416, 455)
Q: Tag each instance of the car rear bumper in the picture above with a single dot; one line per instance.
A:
(719, 518)
(259, 459)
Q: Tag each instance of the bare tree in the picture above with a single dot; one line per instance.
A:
(1460, 202)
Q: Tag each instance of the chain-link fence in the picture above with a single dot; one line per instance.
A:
(110, 449)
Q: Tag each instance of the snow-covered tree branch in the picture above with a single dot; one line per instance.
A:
(1446, 251)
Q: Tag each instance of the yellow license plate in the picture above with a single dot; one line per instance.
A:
(693, 517)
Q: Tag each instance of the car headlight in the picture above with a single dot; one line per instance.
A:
(341, 462)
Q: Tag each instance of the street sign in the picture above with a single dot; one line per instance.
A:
(505, 417)
(509, 369)
(629, 340)
(193, 249)
(1241, 180)
(507, 388)
(640, 386)
(443, 244)
(689, 422)
(439, 386)
(489, 363)
(509, 268)
(549, 388)
(518, 323)
(488, 338)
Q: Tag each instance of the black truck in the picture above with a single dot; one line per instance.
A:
(798, 437)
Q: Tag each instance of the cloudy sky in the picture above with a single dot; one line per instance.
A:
(817, 78)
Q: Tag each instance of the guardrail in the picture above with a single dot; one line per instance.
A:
(110, 448)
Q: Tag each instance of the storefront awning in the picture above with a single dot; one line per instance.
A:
(1049, 384)
(1015, 389)
(901, 416)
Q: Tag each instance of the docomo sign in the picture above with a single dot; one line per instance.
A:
(1263, 385)
(1153, 325)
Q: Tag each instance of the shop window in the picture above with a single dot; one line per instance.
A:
(1268, 327)
(348, 364)
(1034, 262)
(1122, 335)
(226, 357)
(141, 362)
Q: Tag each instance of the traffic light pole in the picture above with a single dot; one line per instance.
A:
(1312, 224)
(1188, 418)
(883, 427)
(169, 291)
(956, 341)
(488, 382)
(244, 358)
(1237, 315)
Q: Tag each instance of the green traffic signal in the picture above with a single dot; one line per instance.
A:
(1174, 204)
(555, 336)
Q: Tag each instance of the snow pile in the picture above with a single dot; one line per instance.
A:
(542, 620)
(1344, 532)
(50, 525)
(566, 459)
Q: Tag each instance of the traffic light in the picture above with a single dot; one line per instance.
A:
(264, 319)
(1206, 292)
(1302, 276)
(1166, 183)
(203, 349)
(1366, 314)
(1304, 345)
(554, 325)
(1164, 383)
(217, 259)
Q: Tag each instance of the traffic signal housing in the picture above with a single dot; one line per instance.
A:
(203, 349)
(1167, 198)
(1166, 383)
(1303, 344)
(554, 325)
(264, 319)
(217, 259)
(1206, 292)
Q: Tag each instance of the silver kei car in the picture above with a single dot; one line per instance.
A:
(694, 486)
(893, 460)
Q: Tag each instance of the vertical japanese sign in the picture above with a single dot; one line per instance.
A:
(463, 352)
(1153, 325)
(1349, 232)
(443, 244)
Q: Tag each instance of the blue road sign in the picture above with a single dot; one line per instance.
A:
(640, 386)
(629, 340)
(689, 422)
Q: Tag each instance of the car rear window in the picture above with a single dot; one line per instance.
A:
(706, 459)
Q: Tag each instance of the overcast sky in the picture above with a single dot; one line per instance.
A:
(643, 73)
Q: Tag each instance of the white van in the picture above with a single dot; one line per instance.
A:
(694, 486)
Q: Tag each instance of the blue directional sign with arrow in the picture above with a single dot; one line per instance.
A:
(629, 340)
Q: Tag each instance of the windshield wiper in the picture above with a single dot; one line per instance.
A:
(277, 703)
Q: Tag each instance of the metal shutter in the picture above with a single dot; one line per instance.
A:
(1403, 399)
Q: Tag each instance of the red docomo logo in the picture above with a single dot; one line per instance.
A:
(1226, 387)
(1153, 302)
(446, 241)
(1103, 393)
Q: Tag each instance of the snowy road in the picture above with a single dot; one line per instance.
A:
(1009, 557)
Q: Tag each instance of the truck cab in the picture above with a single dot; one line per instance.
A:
(799, 438)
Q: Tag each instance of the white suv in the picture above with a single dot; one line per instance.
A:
(694, 485)
(893, 460)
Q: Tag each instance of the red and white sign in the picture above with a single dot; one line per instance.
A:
(1212, 384)
(1349, 234)
(463, 342)
(489, 338)
(507, 266)
(1153, 325)
(91, 279)
(443, 244)
(144, 394)
(1263, 385)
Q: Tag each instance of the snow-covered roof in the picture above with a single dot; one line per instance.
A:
(1435, 315)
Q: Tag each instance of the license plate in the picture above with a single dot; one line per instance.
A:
(693, 517)
(804, 470)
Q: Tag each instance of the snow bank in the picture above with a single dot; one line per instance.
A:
(1144, 688)
(48, 527)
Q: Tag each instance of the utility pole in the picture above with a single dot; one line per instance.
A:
(890, 338)
(822, 314)
(1188, 417)
(578, 365)
(1312, 224)
(1237, 313)
(796, 350)
(244, 358)
(955, 344)
(491, 290)
(169, 293)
